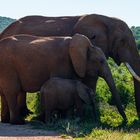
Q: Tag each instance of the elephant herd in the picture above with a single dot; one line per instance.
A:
(62, 57)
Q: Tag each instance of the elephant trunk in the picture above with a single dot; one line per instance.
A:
(107, 76)
(132, 72)
(132, 61)
(134, 68)
(137, 96)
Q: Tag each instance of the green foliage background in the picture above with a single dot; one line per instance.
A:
(136, 33)
(4, 22)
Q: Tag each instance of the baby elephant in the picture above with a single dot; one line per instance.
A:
(64, 94)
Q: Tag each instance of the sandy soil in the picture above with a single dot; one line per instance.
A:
(25, 132)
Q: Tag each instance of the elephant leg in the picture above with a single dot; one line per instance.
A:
(47, 116)
(24, 111)
(41, 116)
(137, 96)
(94, 109)
(15, 117)
(70, 113)
(79, 109)
(63, 114)
(5, 115)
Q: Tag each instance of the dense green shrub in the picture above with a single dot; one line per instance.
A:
(138, 44)
(136, 33)
(33, 102)
(4, 22)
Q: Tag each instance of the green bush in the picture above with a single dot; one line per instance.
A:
(136, 33)
(138, 44)
(33, 102)
(4, 22)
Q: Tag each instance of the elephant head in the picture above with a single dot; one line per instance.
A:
(89, 62)
(125, 51)
(116, 40)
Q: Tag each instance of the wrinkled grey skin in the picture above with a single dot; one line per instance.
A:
(28, 61)
(112, 35)
(58, 94)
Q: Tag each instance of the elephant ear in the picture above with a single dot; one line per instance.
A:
(83, 92)
(78, 53)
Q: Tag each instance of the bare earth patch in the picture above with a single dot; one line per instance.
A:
(25, 132)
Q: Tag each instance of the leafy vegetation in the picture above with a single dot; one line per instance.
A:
(136, 33)
(4, 22)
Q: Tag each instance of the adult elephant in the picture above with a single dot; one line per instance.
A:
(28, 61)
(112, 35)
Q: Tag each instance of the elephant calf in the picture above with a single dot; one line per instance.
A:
(63, 94)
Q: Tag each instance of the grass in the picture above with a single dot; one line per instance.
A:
(108, 134)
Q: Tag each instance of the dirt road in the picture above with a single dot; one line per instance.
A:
(25, 132)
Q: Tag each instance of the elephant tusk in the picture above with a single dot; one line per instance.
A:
(132, 72)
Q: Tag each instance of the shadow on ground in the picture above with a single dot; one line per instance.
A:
(24, 130)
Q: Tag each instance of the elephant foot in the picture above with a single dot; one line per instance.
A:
(5, 120)
(17, 121)
(40, 117)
